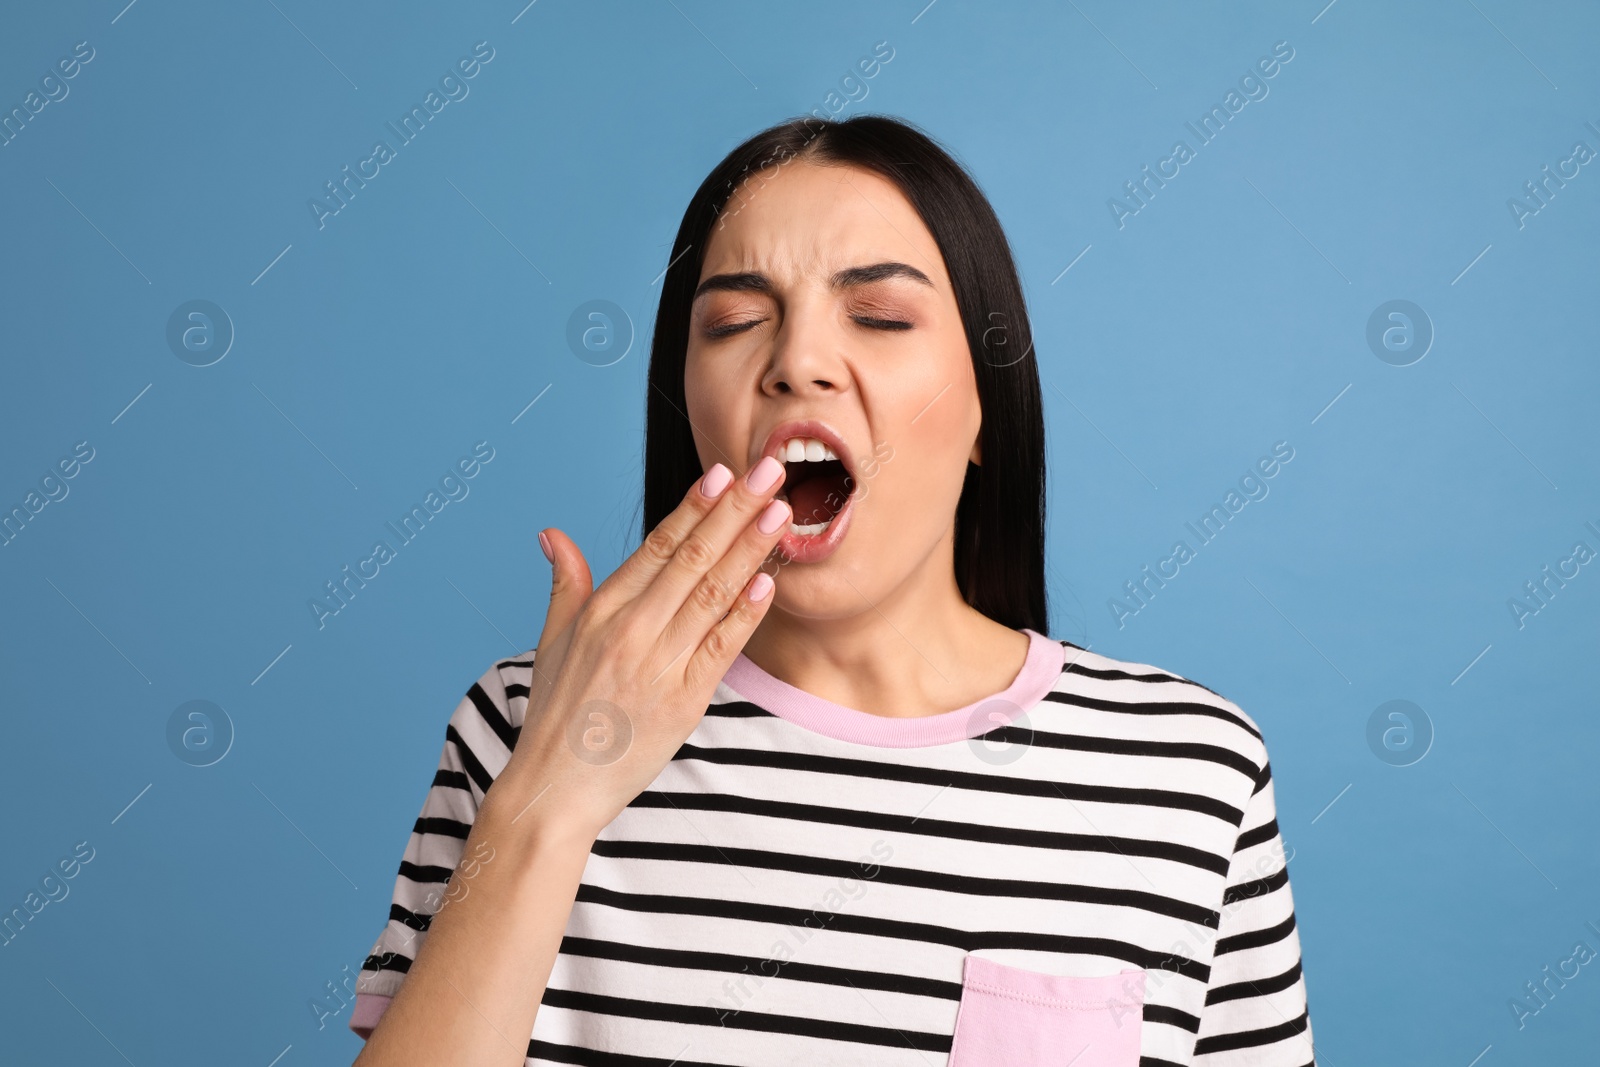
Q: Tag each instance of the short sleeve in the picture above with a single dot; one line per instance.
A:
(1255, 1012)
(478, 741)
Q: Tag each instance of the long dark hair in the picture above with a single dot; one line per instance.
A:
(999, 535)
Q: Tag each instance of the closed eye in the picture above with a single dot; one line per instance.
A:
(730, 328)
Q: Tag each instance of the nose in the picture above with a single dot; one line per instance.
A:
(807, 357)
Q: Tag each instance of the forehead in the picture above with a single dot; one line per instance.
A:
(804, 221)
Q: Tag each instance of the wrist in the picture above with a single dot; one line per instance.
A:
(529, 817)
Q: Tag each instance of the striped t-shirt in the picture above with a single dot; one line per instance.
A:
(1084, 868)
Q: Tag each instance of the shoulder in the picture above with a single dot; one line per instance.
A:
(496, 702)
(510, 678)
(1130, 698)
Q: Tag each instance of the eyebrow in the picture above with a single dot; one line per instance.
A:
(755, 281)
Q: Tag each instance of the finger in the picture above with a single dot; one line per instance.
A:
(725, 640)
(705, 545)
(712, 596)
(571, 585)
(640, 570)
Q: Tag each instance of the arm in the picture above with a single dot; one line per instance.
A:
(474, 989)
(436, 867)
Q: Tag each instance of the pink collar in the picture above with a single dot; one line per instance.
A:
(1039, 674)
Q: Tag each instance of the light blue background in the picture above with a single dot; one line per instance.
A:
(1230, 313)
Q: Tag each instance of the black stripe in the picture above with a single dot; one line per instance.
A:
(492, 715)
(445, 827)
(761, 968)
(1257, 888)
(544, 1050)
(387, 961)
(1250, 838)
(1255, 938)
(445, 778)
(1153, 707)
(739, 709)
(1076, 666)
(503, 664)
(1251, 1038)
(1108, 674)
(1121, 746)
(424, 873)
(704, 1015)
(972, 885)
(1100, 672)
(476, 770)
(991, 783)
(970, 940)
(743, 709)
(1258, 988)
(911, 824)
(1161, 1013)
(515, 689)
(1264, 777)
(406, 917)
(1152, 1061)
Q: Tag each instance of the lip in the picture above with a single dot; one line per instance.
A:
(798, 548)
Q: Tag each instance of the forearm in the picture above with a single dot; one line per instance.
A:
(474, 988)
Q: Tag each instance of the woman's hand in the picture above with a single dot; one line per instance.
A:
(624, 673)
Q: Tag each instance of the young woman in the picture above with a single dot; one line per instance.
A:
(805, 780)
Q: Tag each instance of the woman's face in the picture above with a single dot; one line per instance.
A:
(825, 313)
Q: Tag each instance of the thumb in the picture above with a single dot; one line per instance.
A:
(570, 582)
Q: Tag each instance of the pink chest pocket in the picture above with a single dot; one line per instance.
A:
(1013, 1017)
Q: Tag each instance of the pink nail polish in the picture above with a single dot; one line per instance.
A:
(716, 480)
(764, 475)
(760, 587)
(544, 546)
(776, 515)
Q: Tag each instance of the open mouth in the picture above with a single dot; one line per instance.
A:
(818, 486)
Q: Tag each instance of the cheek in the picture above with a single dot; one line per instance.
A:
(916, 478)
(715, 415)
(942, 437)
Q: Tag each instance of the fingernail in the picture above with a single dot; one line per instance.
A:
(776, 515)
(760, 587)
(544, 545)
(716, 480)
(764, 475)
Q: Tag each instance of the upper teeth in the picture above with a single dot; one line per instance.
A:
(805, 449)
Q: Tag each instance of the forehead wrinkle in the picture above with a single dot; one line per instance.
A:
(768, 269)
(747, 275)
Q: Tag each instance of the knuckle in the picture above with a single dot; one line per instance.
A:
(658, 546)
(719, 643)
(696, 553)
(710, 594)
